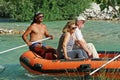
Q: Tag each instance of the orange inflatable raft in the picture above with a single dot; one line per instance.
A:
(37, 65)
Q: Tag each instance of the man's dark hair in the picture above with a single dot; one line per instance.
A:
(34, 18)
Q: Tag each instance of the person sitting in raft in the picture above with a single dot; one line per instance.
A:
(37, 30)
(81, 42)
(66, 43)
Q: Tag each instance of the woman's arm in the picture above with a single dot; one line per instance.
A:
(64, 45)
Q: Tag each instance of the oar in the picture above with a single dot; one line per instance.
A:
(23, 45)
(104, 64)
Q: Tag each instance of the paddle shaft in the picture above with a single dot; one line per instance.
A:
(22, 46)
(104, 64)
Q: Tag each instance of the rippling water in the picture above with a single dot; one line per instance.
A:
(104, 35)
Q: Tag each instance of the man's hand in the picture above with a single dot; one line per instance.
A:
(51, 36)
(90, 55)
(29, 43)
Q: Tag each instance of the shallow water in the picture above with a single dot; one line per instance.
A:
(104, 35)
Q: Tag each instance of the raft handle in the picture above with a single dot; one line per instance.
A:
(38, 67)
(84, 68)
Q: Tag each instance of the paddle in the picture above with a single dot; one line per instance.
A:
(104, 65)
(22, 46)
(88, 76)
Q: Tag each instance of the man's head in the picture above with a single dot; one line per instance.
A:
(80, 20)
(38, 17)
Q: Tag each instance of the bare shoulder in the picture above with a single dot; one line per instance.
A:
(67, 34)
(43, 25)
(31, 26)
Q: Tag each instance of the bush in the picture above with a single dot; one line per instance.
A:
(22, 10)
(53, 9)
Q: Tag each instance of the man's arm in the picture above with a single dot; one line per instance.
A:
(25, 35)
(47, 34)
(82, 43)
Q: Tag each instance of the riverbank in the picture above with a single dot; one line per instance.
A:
(10, 31)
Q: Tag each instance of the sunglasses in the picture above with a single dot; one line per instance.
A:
(73, 28)
(40, 16)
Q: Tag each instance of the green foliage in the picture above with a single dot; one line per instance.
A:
(106, 3)
(23, 10)
(103, 6)
(63, 9)
(4, 8)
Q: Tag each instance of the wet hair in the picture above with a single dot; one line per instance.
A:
(34, 18)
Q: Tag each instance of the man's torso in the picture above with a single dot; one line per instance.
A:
(38, 31)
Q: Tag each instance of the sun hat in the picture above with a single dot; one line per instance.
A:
(80, 18)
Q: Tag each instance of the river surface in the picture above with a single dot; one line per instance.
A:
(105, 35)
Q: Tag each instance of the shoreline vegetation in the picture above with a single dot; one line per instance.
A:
(59, 9)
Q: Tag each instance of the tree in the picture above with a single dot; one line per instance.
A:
(4, 11)
(21, 10)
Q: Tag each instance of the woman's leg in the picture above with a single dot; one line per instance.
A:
(84, 53)
(81, 53)
(72, 54)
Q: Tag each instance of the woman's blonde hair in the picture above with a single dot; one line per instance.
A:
(68, 26)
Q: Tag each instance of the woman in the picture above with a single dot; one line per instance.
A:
(66, 42)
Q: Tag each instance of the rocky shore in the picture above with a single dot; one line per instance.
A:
(95, 12)
(10, 31)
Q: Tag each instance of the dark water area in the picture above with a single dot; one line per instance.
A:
(104, 35)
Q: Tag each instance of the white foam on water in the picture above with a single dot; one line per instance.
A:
(33, 75)
(1, 68)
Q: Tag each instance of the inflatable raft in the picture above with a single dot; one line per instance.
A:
(37, 65)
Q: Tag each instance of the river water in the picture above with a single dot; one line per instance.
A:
(105, 35)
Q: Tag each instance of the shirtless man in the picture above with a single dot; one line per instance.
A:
(36, 31)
